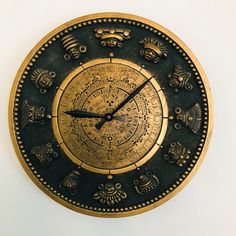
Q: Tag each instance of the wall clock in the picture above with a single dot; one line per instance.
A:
(110, 114)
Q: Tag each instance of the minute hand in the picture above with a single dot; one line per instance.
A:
(136, 91)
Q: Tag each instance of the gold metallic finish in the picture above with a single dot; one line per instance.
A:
(101, 196)
(123, 145)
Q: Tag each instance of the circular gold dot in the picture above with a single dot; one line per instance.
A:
(111, 54)
(109, 177)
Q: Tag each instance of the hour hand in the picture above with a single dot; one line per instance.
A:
(83, 114)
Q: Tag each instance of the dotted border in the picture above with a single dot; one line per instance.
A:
(167, 39)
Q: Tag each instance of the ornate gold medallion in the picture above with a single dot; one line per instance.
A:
(110, 114)
(130, 137)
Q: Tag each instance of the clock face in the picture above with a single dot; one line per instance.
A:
(130, 137)
(110, 114)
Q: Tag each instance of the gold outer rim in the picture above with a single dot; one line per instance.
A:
(123, 16)
(60, 92)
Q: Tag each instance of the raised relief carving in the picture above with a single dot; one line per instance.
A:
(72, 47)
(70, 182)
(146, 183)
(112, 37)
(43, 79)
(153, 50)
(190, 118)
(110, 193)
(177, 154)
(44, 153)
(32, 114)
(180, 79)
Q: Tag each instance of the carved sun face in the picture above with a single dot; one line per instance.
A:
(149, 54)
(46, 81)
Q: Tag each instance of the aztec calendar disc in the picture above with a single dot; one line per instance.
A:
(110, 114)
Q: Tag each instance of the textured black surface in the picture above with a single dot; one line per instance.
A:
(36, 134)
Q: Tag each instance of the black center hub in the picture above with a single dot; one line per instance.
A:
(108, 117)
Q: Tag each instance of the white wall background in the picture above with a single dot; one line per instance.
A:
(207, 205)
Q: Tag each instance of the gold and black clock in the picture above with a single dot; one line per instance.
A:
(110, 114)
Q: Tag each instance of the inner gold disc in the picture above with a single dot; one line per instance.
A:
(129, 139)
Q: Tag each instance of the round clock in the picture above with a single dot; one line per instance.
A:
(110, 114)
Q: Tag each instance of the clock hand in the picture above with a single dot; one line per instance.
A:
(127, 99)
(100, 124)
(120, 118)
(86, 114)
(83, 114)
